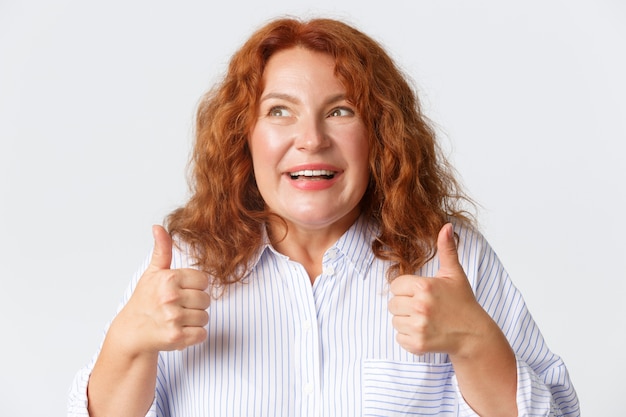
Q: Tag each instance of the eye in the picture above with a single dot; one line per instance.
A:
(278, 111)
(341, 112)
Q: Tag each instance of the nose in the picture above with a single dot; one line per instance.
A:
(311, 136)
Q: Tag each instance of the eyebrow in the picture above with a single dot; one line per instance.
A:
(295, 100)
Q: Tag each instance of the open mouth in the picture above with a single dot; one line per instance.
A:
(313, 174)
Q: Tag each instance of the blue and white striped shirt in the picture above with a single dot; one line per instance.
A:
(279, 346)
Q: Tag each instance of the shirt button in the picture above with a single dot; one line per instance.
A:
(306, 326)
(329, 270)
(308, 389)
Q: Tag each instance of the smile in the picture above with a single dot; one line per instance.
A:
(312, 174)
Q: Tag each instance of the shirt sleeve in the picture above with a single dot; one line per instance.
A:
(77, 396)
(534, 397)
(543, 383)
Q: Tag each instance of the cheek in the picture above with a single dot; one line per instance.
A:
(266, 150)
(258, 148)
(362, 154)
(359, 153)
(267, 144)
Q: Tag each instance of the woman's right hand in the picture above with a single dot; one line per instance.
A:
(167, 310)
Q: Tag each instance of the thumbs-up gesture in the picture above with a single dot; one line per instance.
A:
(436, 314)
(167, 310)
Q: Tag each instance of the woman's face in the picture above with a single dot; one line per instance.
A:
(309, 145)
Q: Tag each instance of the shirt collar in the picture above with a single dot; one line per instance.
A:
(355, 245)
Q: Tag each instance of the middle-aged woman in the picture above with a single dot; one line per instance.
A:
(323, 265)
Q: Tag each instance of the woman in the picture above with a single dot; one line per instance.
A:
(324, 264)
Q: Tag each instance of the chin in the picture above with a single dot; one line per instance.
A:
(315, 219)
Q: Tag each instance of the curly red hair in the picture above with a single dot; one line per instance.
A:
(412, 190)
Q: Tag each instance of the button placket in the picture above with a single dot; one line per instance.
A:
(307, 341)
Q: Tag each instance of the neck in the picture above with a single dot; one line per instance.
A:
(307, 245)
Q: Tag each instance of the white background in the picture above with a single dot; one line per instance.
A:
(97, 102)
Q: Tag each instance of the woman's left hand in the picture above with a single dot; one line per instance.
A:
(440, 313)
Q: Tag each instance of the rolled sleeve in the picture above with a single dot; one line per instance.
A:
(77, 404)
(77, 397)
(546, 395)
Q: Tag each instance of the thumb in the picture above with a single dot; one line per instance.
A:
(446, 249)
(162, 252)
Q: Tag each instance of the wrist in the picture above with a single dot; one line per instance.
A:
(127, 340)
(485, 339)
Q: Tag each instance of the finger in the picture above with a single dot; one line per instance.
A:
(414, 344)
(162, 252)
(447, 251)
(412, 285)
(194, 331)
(401, 305)
(414, 325)
(419, 304)
(194, 318)
(404, 285)
(182, 337)
(193, 336)
(195, 299)
(193, 279)
(395, 305)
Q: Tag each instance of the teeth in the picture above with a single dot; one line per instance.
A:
(312, 173)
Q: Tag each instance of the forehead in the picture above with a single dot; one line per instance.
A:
(299, 65)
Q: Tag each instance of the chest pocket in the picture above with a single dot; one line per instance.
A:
(408, 388)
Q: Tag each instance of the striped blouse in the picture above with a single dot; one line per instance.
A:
(279, 346)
